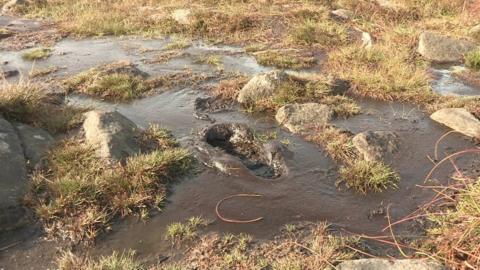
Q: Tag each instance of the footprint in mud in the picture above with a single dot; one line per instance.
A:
(263, 160)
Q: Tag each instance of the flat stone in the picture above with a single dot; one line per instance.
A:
(36, 142)
(343, 14)
(13, 177)
(384, 264)
(261, 86)
(300, 117)
(443, 49)
(113, 135)
(458, 119)
(375, 145)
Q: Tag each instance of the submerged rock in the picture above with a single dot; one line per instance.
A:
(261, 86)
(300, 117)
(13, 177)
(375, 145)
(443, 49)
(113, 135)
(36, 142)
(459, 120)
(382, 264)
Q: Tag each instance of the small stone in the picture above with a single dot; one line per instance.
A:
(382, 264)
(375, 145)
(300, 117)
(342, 14)
(459, 120)
(366, 40)
(443, 49)
(183, 16)
(261, 86)
(113, 135)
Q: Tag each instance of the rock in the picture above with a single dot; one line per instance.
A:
(8, 73)
(36, 142)
(183, 16)
(475, 32)
(299, 117)
(383, 264)
(443, 49)
(261, 86)
(375, 145)
(342, 14)
(11, 5)
(112, 134)
(13, 177)
(458, 119)
(366, 40)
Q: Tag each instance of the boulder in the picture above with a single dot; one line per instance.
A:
(36, 142)
(13, 177)
(261, 86)
(113, 135)
(299, 117)
(375, 145)
(183, 16)
(443, 49)
(458, 119)
(475, 32)
(342, 14)
(382, 264)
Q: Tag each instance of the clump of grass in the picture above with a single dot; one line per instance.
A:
(227, 90)
(324, 33)
(178, 44)
(116, 261)
(29, 103)
(211, 59)
(284, 60)
(472, 59)
(39, 72)
(78, 194)
(179, 232)
(337, 143)
(36, 54)
(118, 82)
(364, 176)
(342, 106)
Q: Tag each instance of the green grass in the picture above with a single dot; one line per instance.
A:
(364, 176)
(324, 33)
(284, 60)
(116, 261)
(472, 59)
(29, 103)
(179, 232)
(36, 54)
(79, 194)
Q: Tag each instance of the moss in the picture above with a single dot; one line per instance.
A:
(364, 176)
(36, 54)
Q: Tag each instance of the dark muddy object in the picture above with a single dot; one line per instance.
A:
(212, 105)
(238, 140)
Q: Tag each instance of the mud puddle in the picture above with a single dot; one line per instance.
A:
(306, 191)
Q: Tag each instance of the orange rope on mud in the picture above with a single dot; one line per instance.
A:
(234, 220)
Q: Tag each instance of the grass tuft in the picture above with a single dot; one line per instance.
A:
(36, 54)
(284, 60)
(324, 33)
(364, 176)
(116, 261)
(472, 59)
(179, 232)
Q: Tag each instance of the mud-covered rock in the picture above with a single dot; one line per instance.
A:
(443, 49)
(300, 117)
(239, 141)
(13, 177)
(261, 86)
(383, 264)
(36, 142)
(375, 145)
(113, 135)
(342, 14)
(183, 16)
(458, 119)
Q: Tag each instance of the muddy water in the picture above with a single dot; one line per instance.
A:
(306, 192)
(446, 83)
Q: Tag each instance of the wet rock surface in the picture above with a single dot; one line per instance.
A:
(13, 177)
(443, 49)
(382, 264)
(113, 135)
(375, 145)
(459, 120)
(261, 86)
(299, 117)
(239, 140)
(35, 141)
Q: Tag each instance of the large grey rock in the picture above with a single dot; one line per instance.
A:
(261, 86)
(443, 49)
(299, 117)
(36, 142)
(13, 177)
(458, 119)
(113, 135)
(384, 264)
(375, 145)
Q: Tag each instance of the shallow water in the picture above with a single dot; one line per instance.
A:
(307, 192)
(446, 83)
